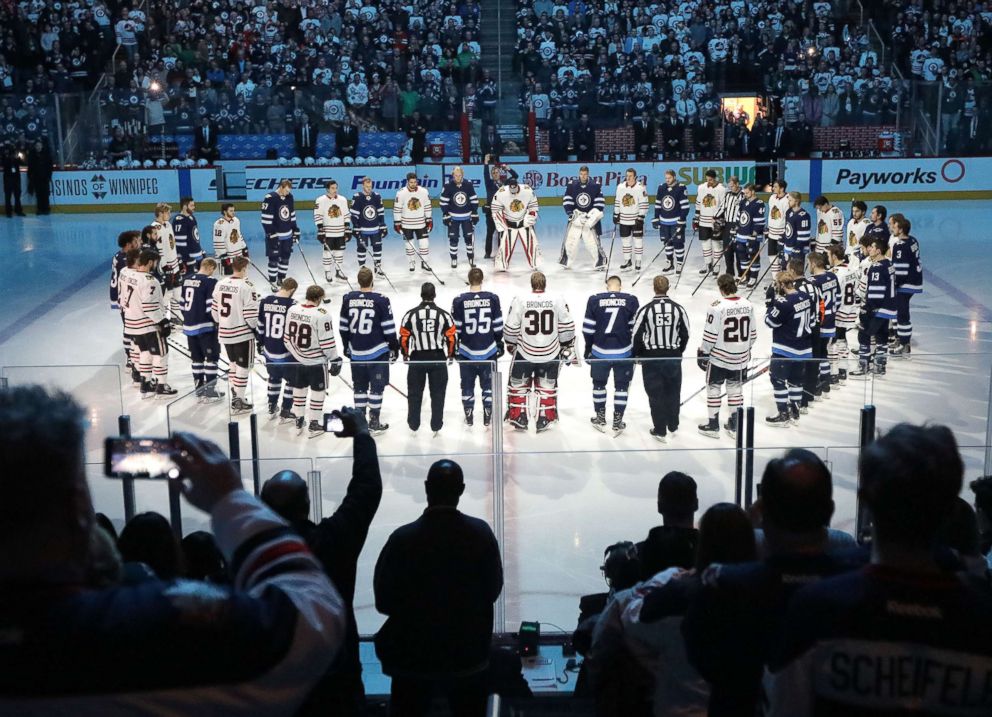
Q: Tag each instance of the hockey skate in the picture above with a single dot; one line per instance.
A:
(627, 265)
(600, 265)
(669, 268)
(239, 406)
(328, 277)
(413, 266)
(543, 424)
(901, 351)
(300, 423)
(210, 394)
(519, 422)
(618, 425)
(599, 420)
(469, 417)
(375, 427)
(780, 420)
(751, 283)
(286, 416)
(660, 437)
(378, 268)
(708, 269)
(454, 264)
(863, 371)
(711, 429)
(731, 425)
(487, 415)
(794, 413)
(339, 275)
(147, 389)
(273, 411)
(164, 390)
(315, 429)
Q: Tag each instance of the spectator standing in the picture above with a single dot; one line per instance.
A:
(305, 135)
(558, 137)
(673, 543)
(645, 138)
(436, 581)
(40, 175)
(673, 133)
(11, 162)
(416, 130)
(490, 143)
(205, 141)
(584, 140)
(346, 141)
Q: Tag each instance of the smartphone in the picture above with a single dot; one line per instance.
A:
(149, 458)
(333, 422)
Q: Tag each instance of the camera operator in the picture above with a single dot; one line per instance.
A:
(181, 647)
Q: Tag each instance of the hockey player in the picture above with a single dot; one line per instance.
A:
(368, 338)
(778, 206)
(608, 331)
(671, 207)
(856, 225)
(369, 222)
(709, 213)
(725, 353)
(187, 233)
(539, 334)
(281, 231)
(413, 220)
(201, 330)
(280, 364)
(878, 308)
(847, 312)
(877, 226)
(460, 214)
(790, 315)
(629, 210)
(310, 339)
(235, 311)
(909, 279)
(126, 242)
(828, 298)
(333, 221)
(811, 369)
(750, 229)
(515, 213)
(584, 205)
(829, 223)
(427, 340)
(146, 322)
(478, 319)
(798, 226)
(229, 242)
(169, 265)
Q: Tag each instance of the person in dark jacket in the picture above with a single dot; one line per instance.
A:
(558, 141)
(673, 543)
(337, 541)
(11, 161)
(205, 141)
(584, 138)
(645, 138)
(40, 176)
(436, 581)
(346, 141)
(495, 175)
(416, 130)
(305, 136)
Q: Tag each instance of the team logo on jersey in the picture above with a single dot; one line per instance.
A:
(744, 219)
(284, 213)
(821, 227)
(709, 201)
(516, 205)
(369, 212)
(334, 211)
(460, 199)
(776, 214)
(627, 200)
(789, 230)
(851, 239)
(583, 200)
(668, 203)
(413, 204)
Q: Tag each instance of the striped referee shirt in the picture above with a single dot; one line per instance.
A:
(427, 332)
(732, 207)
(661, 328)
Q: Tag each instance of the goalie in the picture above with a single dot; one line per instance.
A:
(584, 205)
(515, 213)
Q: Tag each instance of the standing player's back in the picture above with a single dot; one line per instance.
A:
(479, 319)
(609, 322)
(367, 326)
(731, 331)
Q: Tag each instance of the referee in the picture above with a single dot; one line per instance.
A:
(661, 332)
(427, 339)
(731, 210)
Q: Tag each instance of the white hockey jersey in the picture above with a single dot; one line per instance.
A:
(730, 332)
(235, 310)
(169, 261)
(412, 210)
(848, 304)
(228, 239)
(829, 228)
(776, 208)
(631, 203)
(709, 203)
(538, 325)
(309, 334)
(514, 209)
(140, 298)
(331, 215)
(855, 230)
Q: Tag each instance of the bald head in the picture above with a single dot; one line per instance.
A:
(287, 494)
(445, 483)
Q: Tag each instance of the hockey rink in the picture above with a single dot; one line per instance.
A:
(555, 500)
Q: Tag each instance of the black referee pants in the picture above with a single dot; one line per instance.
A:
(663, 385)
(419, 374)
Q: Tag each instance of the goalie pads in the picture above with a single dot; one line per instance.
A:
(582, 228)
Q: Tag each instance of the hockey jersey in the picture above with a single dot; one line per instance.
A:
(539, 325)
(272, 312)
(331, 216)
(479, 321)
(906, 262)
(412, 210)
(750, 219)
(631, 204)
(709, 203)
(142, 301)
(847, 296)
(514, 209)
(187, 233)
(671, 204)
(229, 242)
(880, 289)
(583, 197)
(855, 230)
(279, 216)
(798, 226)
(116, 264)
(778, 208)
(235, 310)
(367, 213)
(609, 323)
(197, 298)
(828, 295)
(366, 325)
(459, 202)
(310, 335)
(878, 230)
(791, 319)
(169, 257)
(730, 332)
(829, 227)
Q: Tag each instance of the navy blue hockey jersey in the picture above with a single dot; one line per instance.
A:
(187, 233)
(791, 319)
(367, 213)
(278, 216)
(459, 201)
(671, 204)
(906, 262)
(367, 327)
(828, 297)
(117, 263)
(197, 293)
(880, 300)
(878, 230)
(479, 321)
(798, 225)
(609, 324)
(750, 219)
(272, 326)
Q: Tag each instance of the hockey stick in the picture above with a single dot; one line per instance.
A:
(609, 257)
(747, 269)
(645, 270)
(255, 266)
(341, 270)
(423, 261)
(310, 271)
(760, 279)
(709, 271)
(381, 273)
(760, 372)
(681, 269)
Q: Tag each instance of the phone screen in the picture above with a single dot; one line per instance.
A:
(149, 458)
(333, 423)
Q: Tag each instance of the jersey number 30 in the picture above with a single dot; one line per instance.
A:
(539, 322)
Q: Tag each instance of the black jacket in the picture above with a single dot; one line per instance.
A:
(436, 581)
(667, 547)
(298, 135)
(346, 136)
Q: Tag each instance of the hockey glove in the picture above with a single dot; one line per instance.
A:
(769, 295)
(165, 328)
(397, 228)
(383, 232)
(334, 368)
(695, 224)
(475, 219)
(639, 225)
(702, 360)
(656, 223)
(500, 349)
(430, 225)
(347, 232)
(296, 236)
(227, 263)
(394, 355)
(567, 355)
(587, 354)
(511, 349)
(446, 220)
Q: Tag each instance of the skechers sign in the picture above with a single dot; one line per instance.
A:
(908, 175)
(308, 182)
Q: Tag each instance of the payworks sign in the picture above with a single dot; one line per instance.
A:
(909, 176)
